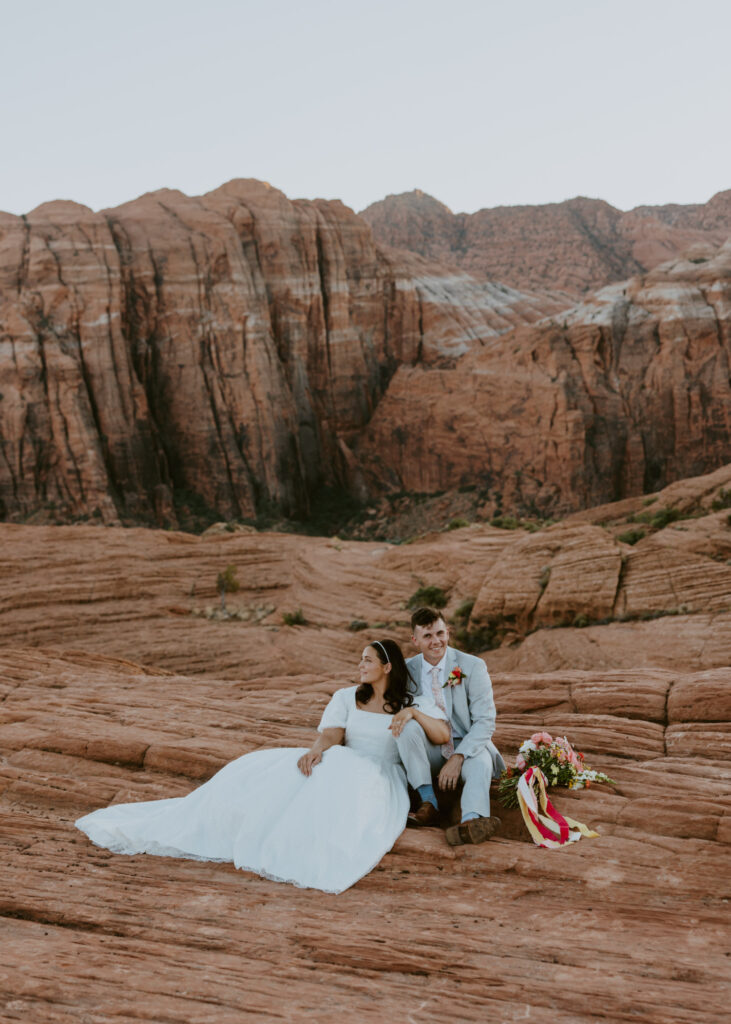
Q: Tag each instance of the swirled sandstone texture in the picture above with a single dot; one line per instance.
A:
(617, 396)
(573, 246)
(114, 688)
(224, 349)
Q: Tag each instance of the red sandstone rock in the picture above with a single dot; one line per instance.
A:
(222, 349)
(618, 396)
(87, 934)
(232, 351)
(574, 246)
(81, 925)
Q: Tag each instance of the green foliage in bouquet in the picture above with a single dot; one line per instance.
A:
(556, 758)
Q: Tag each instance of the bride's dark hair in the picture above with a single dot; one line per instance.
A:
(400, 687)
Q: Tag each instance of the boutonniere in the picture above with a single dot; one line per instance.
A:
(455, 677)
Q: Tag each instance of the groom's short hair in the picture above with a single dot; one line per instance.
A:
(425, 617)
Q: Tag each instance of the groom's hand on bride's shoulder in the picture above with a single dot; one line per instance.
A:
(308, 761)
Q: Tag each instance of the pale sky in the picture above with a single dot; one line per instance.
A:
(479, 103)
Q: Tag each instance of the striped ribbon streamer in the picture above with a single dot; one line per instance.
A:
(547, 827)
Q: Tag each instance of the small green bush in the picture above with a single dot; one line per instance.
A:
(431, 597)
(464, 610)
(544, 577)
(505, 522)
(581, 621)
(658, 520)
(227, 583)
(722, 500)
(473, 641)
(357, 625)
(665, 516)
(631, 536)
(295, 618)
(457, 524)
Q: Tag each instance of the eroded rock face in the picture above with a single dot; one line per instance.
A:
(238, 352)
(574, 246)
(615, 397)
(223, 349)
(112, 690)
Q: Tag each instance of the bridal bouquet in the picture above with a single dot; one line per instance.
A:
(556, 758)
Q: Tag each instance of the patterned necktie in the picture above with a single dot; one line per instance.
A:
(446, 748)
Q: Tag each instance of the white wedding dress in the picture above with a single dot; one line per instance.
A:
(323, 832)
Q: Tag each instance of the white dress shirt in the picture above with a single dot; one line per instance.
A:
(426, 687)
(426, 674)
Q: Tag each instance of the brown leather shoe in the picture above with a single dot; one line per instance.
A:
(477, 830)
(426, 816)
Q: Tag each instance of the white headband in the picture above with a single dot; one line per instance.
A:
(388, 660)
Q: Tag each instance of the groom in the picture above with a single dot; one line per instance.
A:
(459, 684)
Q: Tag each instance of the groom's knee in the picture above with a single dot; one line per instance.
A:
(478, 768)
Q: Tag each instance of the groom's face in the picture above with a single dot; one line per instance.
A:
(432, 640)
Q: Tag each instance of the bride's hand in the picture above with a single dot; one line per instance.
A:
(308, 761)
(400, 719)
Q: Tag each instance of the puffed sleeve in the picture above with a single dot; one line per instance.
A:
(335, 714)
(427, 706)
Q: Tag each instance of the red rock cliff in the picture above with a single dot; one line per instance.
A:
(617, 396)
(227, 347)
(574, 246)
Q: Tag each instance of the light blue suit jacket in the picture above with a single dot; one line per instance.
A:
(470, 705)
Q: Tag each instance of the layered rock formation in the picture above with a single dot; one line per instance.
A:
(574, 246)
(619, 395)
(238, 353)
(112, 690)
(221, 350)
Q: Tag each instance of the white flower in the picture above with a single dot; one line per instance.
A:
(527, 747)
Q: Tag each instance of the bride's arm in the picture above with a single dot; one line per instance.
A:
(436, 729)
(327, 738)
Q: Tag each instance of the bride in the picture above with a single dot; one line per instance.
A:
(318, 818)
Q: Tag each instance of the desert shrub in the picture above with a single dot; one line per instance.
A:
(722, 500)
(226, 583)
(457, 524)
(484, 638)
(430, 596)
(505, 522)
(357, 625)
(463, 611)
(631, 536)
(295, 618)
(664, 517)
(658, 520)
(581, 621)
(544, 577)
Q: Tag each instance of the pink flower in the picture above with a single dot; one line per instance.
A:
(520, 761)
(541, 737)
(563, 750)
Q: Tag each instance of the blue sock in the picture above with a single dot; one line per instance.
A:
(469, 816)
(427, 793)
